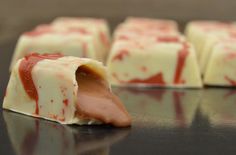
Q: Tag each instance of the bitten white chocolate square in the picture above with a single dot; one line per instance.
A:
(68, 90)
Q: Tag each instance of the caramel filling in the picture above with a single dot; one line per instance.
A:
(95, 100)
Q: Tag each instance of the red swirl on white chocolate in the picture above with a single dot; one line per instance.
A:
(156, 80)
(165, 38)
(121, 54)
(231, 81)
(182, 55)
(143, 30)
(25, 69)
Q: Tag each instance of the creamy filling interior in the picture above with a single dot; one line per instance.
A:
(95, 101)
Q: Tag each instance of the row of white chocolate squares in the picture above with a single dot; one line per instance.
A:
(144, 52)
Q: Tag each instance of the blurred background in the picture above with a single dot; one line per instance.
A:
(17, 16)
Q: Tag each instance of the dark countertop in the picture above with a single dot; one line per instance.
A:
(164, 122)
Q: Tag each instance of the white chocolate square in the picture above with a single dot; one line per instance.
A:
(80, 37)
(220, 70)
(55, 82)
(133, 61)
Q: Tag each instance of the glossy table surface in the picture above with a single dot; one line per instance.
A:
(165, 121)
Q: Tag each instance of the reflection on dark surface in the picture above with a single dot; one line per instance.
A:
(165, 121)
(219, 106)
(162, 107)
(30, 136)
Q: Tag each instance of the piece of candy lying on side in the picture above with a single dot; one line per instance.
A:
(68, 90)
(145, 63)
(220, 70)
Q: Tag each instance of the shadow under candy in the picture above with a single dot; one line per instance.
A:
(32, 136)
